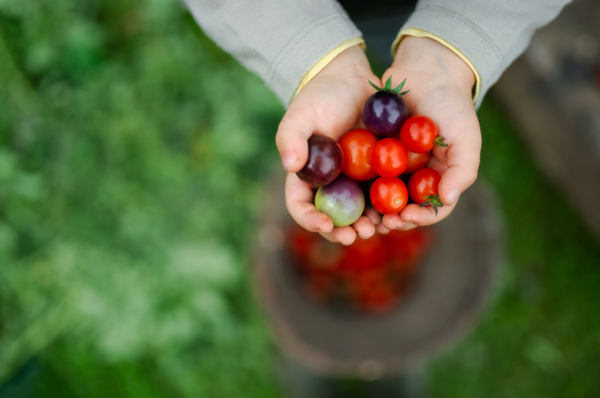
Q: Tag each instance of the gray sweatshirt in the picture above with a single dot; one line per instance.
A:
(281, 40)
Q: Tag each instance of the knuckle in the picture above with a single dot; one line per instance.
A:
(474, 176)
(471, 176)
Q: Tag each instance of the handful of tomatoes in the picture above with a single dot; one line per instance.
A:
(378, 162)
(391, 153)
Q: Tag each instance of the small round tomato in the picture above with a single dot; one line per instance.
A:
(324, 161)
(423, 188)
(407, 247)
(364, 254)
(384, 112)
(389, 158)
(357, 146)
(369, 279)
(418, 134)
(378, 300)
(319, 286)
(324, 255)
(389, 195)
(417, 161)
(299, 241)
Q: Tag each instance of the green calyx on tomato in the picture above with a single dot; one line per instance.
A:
(433, 201)
(388, 87)
(439, 141)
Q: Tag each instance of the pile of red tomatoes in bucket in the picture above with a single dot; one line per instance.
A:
(371, 276)
(384, 166)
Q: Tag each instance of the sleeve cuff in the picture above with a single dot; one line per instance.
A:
(323, 62)
(423, 33)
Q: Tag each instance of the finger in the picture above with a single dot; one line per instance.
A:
(295, 128)
(344, 235)
(382, 229)
(392, 221)
(422, 216)
(299, 202)
(364, 227)
(395, 221)
(409, 226)
(373, 216)
(459, 161)
(463, 164)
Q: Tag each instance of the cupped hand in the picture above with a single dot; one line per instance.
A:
(330, 104)
(440, 84)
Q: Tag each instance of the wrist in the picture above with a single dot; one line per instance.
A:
(427, 56)
(351, 62)
(347, 58)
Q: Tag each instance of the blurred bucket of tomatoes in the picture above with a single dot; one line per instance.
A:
(371, 276)
(381, 306)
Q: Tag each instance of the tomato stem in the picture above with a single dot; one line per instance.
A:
(433, 201)
(388, 87)
(439, 141)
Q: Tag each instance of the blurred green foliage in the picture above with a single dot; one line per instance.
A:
(133, 157)
(541, 336)
(133, 154)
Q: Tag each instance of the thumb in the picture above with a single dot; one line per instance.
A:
(292, 136)
(463, 165)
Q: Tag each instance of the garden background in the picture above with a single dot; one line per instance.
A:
(134, 156)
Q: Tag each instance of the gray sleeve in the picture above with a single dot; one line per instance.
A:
(491, 34)
(279, 40)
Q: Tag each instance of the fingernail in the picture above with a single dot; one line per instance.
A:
(452, 197)
(289, 159)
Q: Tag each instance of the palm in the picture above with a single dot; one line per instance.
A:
(436, 96)
(330, 105)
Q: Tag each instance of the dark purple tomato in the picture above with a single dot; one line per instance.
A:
(342, 200)
(324, 162)
(383, 113)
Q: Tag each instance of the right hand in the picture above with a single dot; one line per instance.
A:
(330, 104)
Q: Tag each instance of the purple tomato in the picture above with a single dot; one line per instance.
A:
(384, 112)
(324, 161)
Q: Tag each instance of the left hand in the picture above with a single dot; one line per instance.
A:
(440, 84)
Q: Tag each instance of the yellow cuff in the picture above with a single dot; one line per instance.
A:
(323, 62)
(423, 33)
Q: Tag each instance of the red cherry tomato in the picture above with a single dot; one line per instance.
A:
(423, 188)
(368, 280)
(299, 241)
(418, 134)
(364, 254)
(377, 301)
(319, 286)
(407, 247)
(357, 146)
(389, 195)
(324, 255)
(417, 161)
(389, 157)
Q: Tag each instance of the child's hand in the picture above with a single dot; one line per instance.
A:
(330, 104)
(440, 86)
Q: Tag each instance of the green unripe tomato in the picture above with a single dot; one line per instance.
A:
(342, 200)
